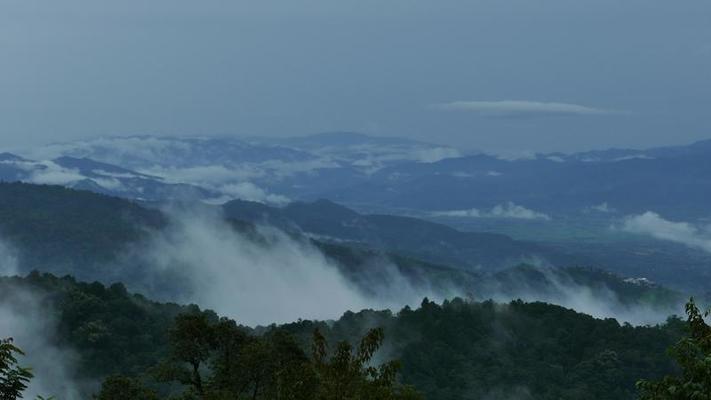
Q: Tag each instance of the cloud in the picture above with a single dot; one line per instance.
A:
(251, 192)
(506, 210)
(652, 224)
(260, 277)
(51, 173)
(8, 260)
(599, 208)
(205, 175)
(511, 210)
(521, 108)
(470, 213)
(595, 299)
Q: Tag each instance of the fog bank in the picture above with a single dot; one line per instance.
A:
(260, 275)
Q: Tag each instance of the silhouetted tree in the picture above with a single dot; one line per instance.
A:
(693, 355)
(350, 375)
(191, 341)
(13, 378)
(118, 387)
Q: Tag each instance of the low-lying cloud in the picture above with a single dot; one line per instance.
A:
(595, 299)
(258, 277)
(602, 208)
(654, 225)
(8, 259)
(266, 276)
(507, 210)
(521, 108)
(29, 320)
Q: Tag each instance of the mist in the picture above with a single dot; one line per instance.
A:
(8, 259)
(260, 276)
(598, 301)
(27, 318)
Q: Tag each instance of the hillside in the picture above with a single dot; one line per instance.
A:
(414, 237)
(57, 229)
(449, 351)
(95, 237)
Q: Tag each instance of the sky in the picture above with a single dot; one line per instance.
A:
(497, 75)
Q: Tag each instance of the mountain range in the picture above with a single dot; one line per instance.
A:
(387, 174)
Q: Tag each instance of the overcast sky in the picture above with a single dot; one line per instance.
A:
(497, 75)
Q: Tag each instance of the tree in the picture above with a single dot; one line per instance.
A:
(191, 341)
(218, 360)
(350, 375)
(13, 378)
(693, 355)
(118, 387)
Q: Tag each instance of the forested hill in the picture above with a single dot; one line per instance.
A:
(429, 241)
(451, 351)
(485, 350)
(59, 229)
(65, 231)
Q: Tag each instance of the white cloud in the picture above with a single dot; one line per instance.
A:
(506, 210)
(597, 300)
(470, 213)
(511, 210)
(463, 174)
(50, 173)
(521, 108)
(274, 279)
(601, 208)
(281, 169)
(652, 224)
(8, 260)
(434, 154)
(205, 175)
(251, 192)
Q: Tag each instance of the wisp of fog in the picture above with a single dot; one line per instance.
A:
(262, 276)
(30, 322)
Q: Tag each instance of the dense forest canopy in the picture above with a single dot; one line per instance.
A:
(453, 350)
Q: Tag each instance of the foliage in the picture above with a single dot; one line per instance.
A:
(458, 349)
(219, 360)
(463, 349)
(114, 331)
(693, 355)
(13, 378)
(351, 375)
(117, 387)
(71, 228)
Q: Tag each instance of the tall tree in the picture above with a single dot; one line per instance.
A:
(349, 373)
(693, 355)
(191, 342)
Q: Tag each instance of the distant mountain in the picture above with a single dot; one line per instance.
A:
(269, 170)
(99, 177)
(97, 237)
(392, 175)
(365, 151)
(672, 181)
(702, 147)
